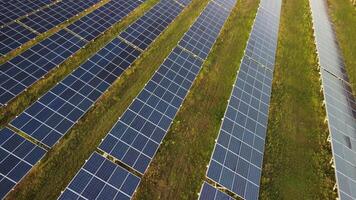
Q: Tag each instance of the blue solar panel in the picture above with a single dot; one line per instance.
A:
(147, 28)
(208, 192)
(17, 157)
(11, 10)
(202, 35)
(49, 118)
(52, 16)
(137, 135)
(13, 36)
(25, 69)
(236, 162)
(95, 23)
(339, 101)
(100, 178)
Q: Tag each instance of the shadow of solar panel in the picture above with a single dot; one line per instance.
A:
(142, 32)
(52, 16)
(25, 69)
(100, 178)
(17, 157)
(203, 33)
(92, 25)
(208, 192)
(13, 36)
(49, 118)
(12, 10)
(137, 135)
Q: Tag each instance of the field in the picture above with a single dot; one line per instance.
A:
(297, 155)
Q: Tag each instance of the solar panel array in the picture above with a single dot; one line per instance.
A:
(135, 138)
(339, 100)
(236, 162)
(92, 25)
(208, 192)
(49, 118)
(25, 69)
(14, 9)
(100, 178)
(17, 157)
(18, 33)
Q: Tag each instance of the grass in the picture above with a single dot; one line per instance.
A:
(54, 172)
(178, 169)
(22, 101)
(297, 154)
(343, 15)
(50, 32)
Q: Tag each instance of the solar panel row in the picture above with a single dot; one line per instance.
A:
(14, 9)
(25, 69)
(17, 157)
(236, 162)
(16, 34)
(49, 118)
(339, 100)
(208, 192)
(135, 138)
(101, 179)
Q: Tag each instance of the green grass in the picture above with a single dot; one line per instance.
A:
(48, 33)
(178, 169)
(343, 14)
(17, 105)
(54, 172)
(297, 154)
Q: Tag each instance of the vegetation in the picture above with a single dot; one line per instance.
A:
(297, 155)
(343, 14)
(50, 32)
(54, 172)
(17, 105)
(178, 169)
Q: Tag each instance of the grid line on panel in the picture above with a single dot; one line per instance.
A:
(17, 157)
(209, 192)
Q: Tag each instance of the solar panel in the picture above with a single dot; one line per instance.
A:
(142, 32)
(236, 162)
(17, 157)
(13, 36)
(208, 192)
(14, 9)
(52, 16)
(95, 23)
(100, 178)
(25, 69)
(135, 138)
(202, 35)
(49, 118)
(339, 101)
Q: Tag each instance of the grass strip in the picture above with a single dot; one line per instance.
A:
(26, 98)
(343, 15)
(178, 169)
(297, 155)
(54, 172)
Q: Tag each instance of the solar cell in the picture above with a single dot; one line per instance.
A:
(52, 16)
(236, 162)
(100, 178)
(25, 69)
(208, 192)
(13, 36)
(142, 32)
(135, 138)
(203, 33)
(49, 118)
(17, 157)
(339, 101)
(95, 23)
(14, 9)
